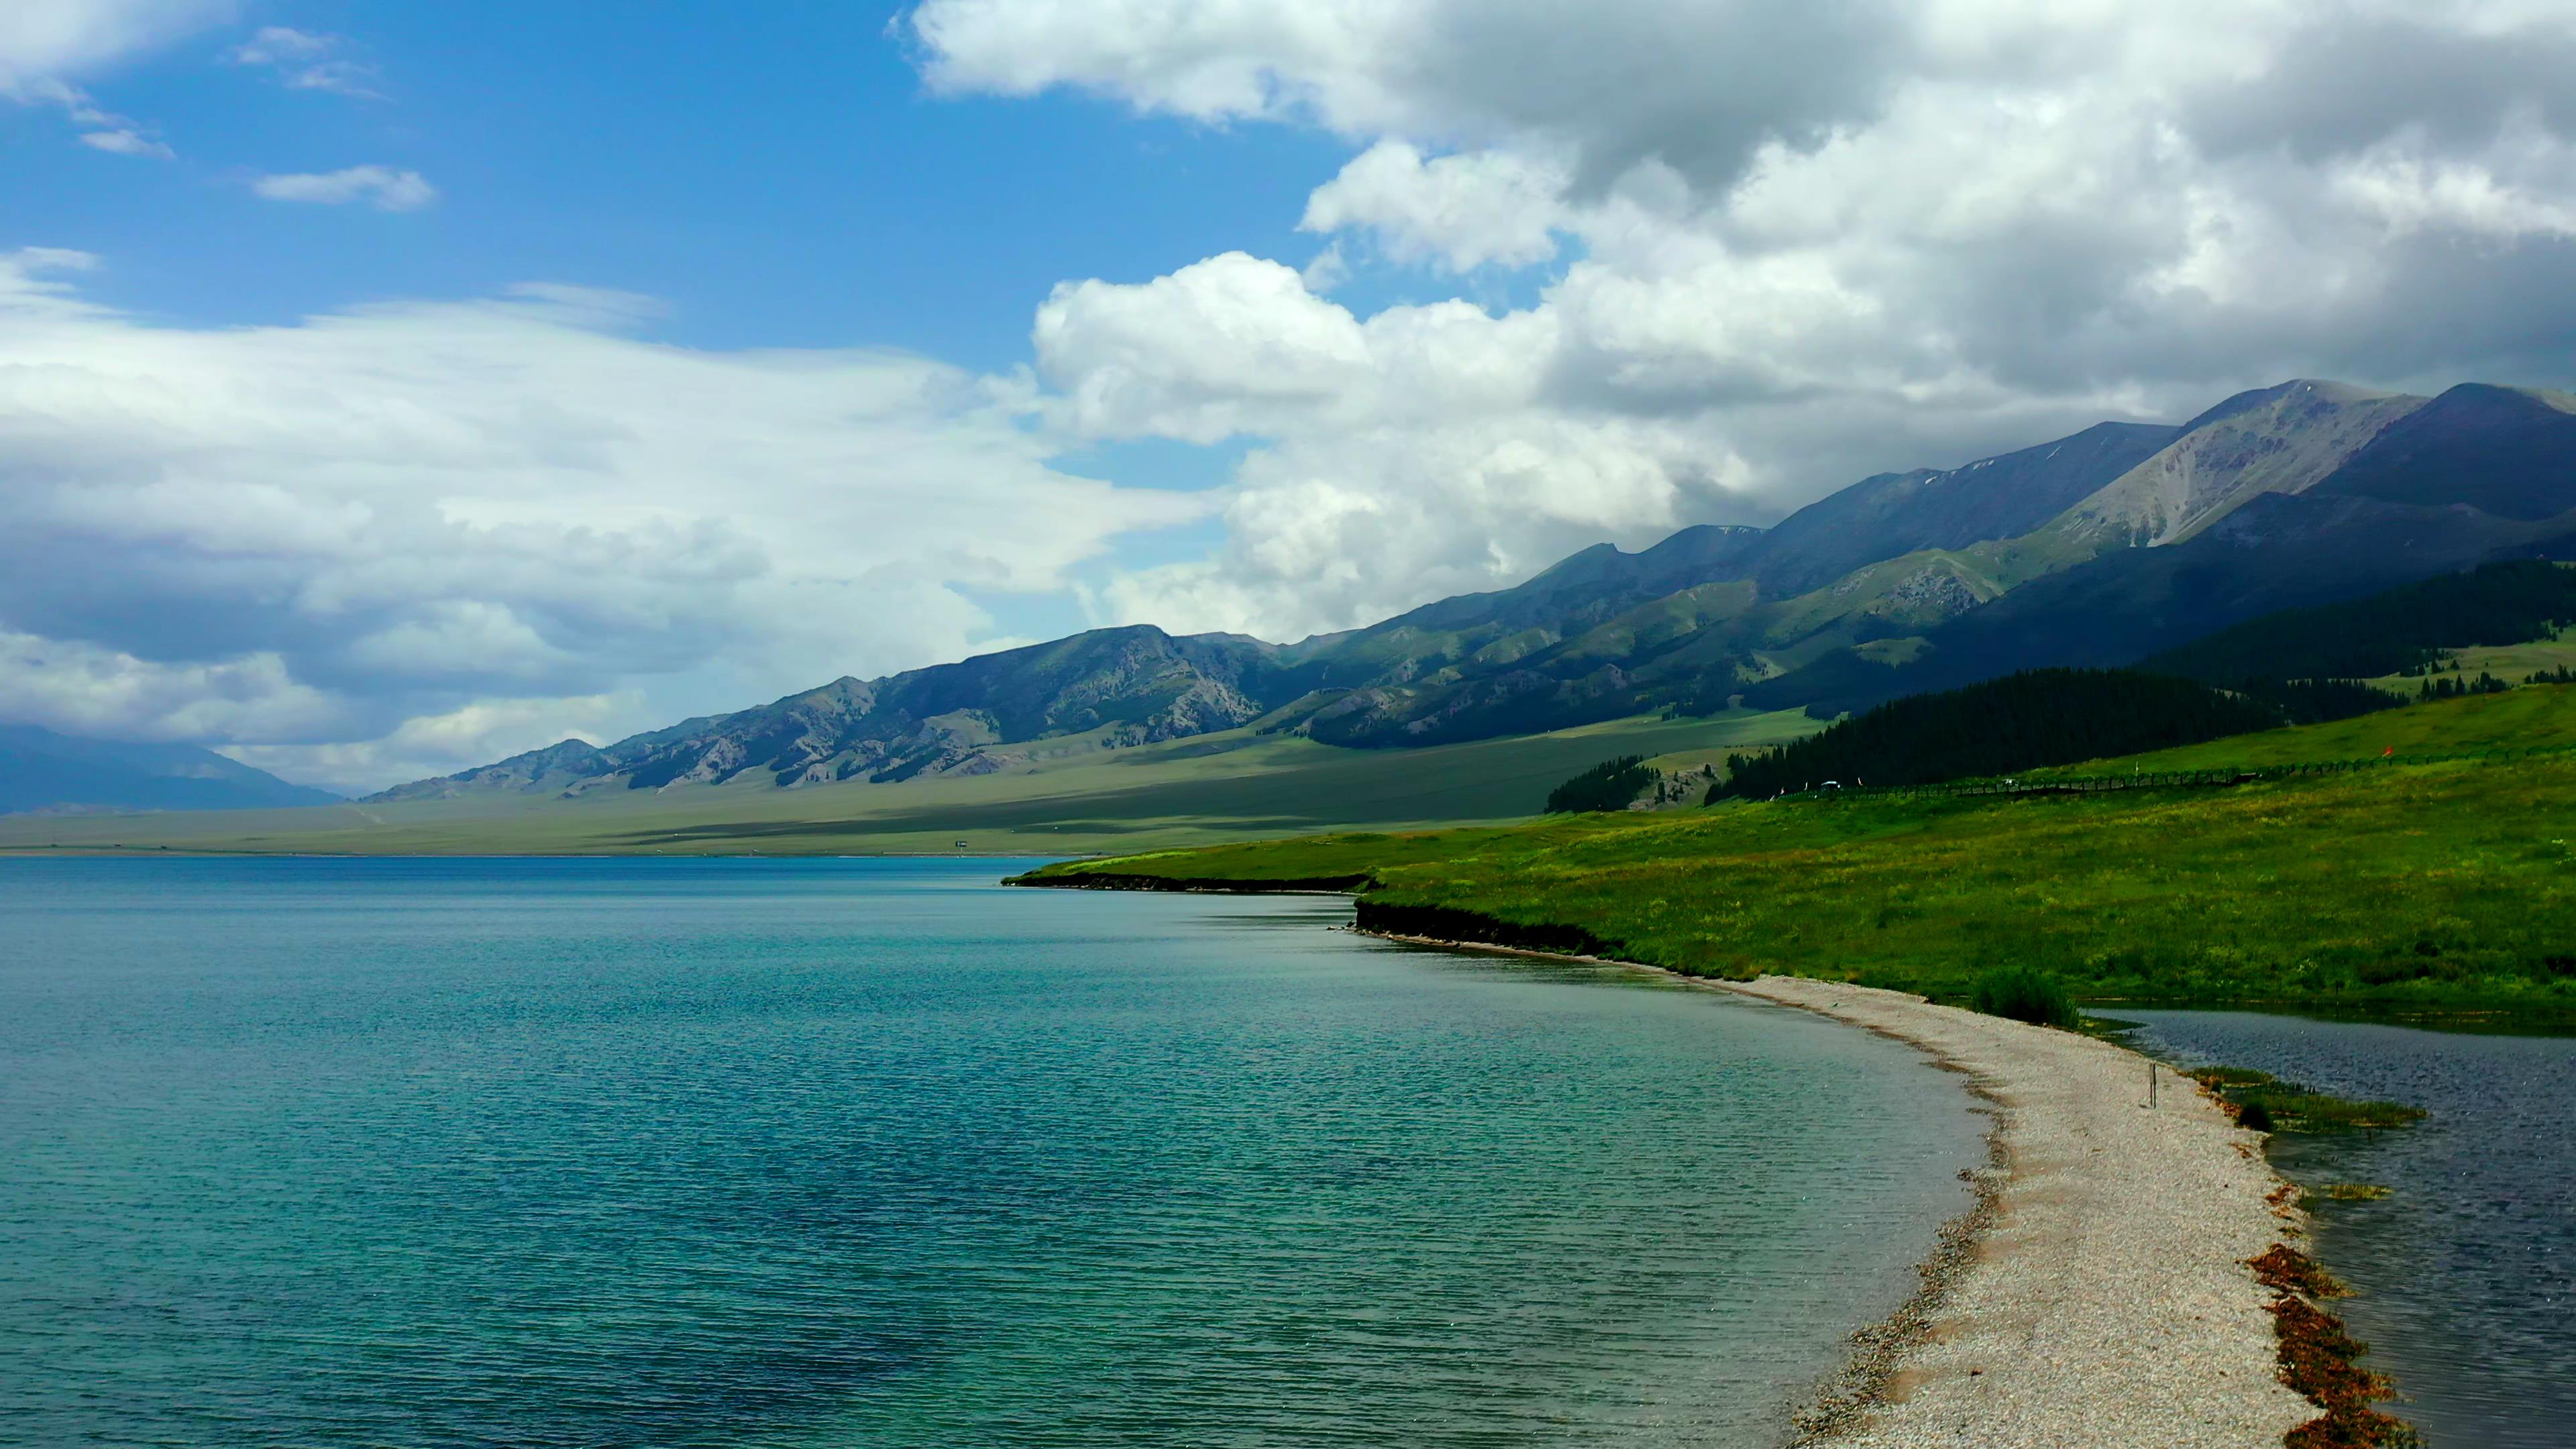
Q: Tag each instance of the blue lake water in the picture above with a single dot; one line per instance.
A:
(879, 1153)
(2464, 1276)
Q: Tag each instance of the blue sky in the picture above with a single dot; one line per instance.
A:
(399, 386)
(781, 180)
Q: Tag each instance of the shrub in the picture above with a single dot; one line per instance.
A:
(2254, 1115)
(2022, 994)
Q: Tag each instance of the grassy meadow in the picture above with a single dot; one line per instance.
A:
(2447, 884)
(2531, 717)
(1061, 797)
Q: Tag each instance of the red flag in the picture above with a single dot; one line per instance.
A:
(2384, 754)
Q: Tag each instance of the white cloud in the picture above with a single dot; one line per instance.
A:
(386, 188)
(1796, 244)
(1623, 79)
(440, 744)
(281, 45)
(83, 689)
(50, 39)
(1459, 211)
(310, 539)
(304, 60)
(127, 142)
(45, 42)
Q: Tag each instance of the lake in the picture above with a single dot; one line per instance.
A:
(2464, 1276)
(587, 1152)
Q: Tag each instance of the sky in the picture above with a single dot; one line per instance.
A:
(388, 388)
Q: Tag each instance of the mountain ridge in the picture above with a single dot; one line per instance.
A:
(2091, 549)
(45, 772)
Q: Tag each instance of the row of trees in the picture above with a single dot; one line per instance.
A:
(2454, 687)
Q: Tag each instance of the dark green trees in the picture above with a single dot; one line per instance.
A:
(1609, 785)
(2019, 722)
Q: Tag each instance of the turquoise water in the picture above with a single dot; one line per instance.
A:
(876, 1153)
(2464, 1276)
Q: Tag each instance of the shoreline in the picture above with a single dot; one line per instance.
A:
(2098, 1292)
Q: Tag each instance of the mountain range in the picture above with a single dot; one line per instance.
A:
(2098, 548)
(44, 771)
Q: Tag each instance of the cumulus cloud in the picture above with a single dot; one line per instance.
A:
(409, 537)
(1790, 245)
(386, 188)
(1460, 212)
(1699, 85)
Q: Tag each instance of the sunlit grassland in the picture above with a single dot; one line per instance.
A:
(2512, 663)
(2441, 884)
(1069, 799)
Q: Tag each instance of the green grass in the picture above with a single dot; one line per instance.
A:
(2512, 663)
(2446, 885)
(2294, 1108)
(2534, 717)
(1062, 797)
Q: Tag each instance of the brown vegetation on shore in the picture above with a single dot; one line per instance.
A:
(2323, 1361)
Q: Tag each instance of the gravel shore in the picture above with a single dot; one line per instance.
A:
(2101, 1298)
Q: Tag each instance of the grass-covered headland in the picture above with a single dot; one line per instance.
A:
(2444, 884)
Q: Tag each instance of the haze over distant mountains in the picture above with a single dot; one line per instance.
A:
(2097, 548)
(41, 771)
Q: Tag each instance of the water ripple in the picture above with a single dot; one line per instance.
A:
(681, 1153)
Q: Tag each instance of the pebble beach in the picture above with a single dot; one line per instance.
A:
(2099, 1297)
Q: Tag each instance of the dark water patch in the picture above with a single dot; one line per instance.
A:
(2464, 1274)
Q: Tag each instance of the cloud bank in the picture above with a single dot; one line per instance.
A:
(1777, 247)
(1663, 264)
(396, 540)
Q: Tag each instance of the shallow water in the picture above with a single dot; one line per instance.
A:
(2464, 1277)
(786, 1153)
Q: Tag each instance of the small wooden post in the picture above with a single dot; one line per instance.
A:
(2151, 1086)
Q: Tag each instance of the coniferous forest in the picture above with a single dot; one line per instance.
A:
(2019, 722)
(2402, 631)
(1610, 785)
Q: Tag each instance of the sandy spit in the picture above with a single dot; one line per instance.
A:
(2097, 1297)
(2107, 1302)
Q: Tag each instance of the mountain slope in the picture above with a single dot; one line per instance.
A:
(2094, 550)
(41, 770)
(2277, 552)
(2283, 439)
(1134, 685)
(1895, 514)
(1606, 634)
(2506, 451)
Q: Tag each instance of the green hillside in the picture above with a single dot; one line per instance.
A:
(2446, 884)
(1061, 797)
(2541, 716)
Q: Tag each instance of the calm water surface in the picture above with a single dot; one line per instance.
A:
(877, 1153)
(2464, 1277)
